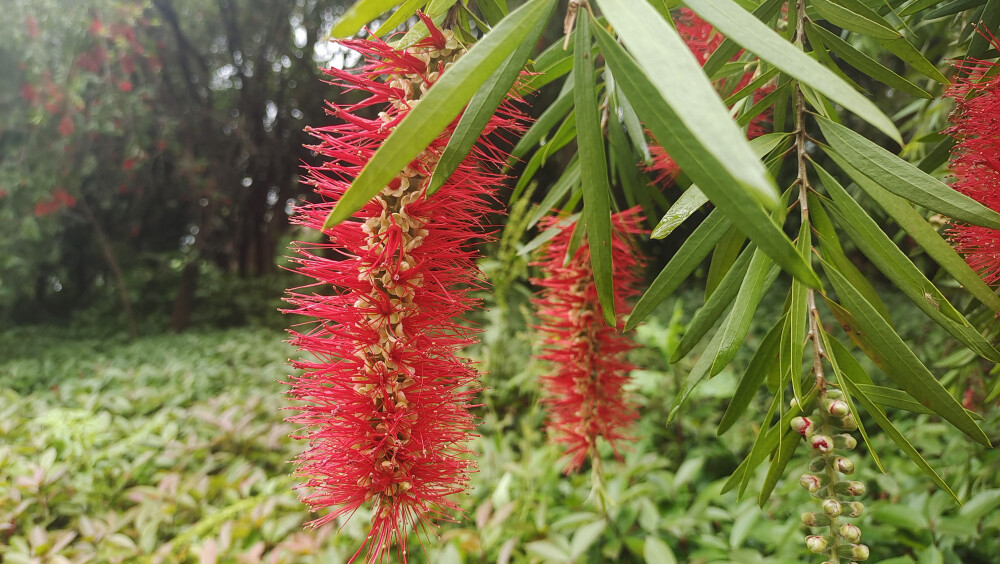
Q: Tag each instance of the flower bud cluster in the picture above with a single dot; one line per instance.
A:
(827, 430)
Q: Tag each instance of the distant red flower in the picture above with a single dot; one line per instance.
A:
(29, 93)
(384, 397)
(702, 39)
(975, 161)
(3, 192)
(584, 389)
(31, 27)
(128, 164)
(96, 27)
(66, 127)
(59, 198)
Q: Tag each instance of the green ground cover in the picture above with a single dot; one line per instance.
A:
(173, 448)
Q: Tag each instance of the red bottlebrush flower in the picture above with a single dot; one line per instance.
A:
(584, 390)
(702, 39)
(31, 27)
(29, 93)
(975, 161)
(384, 397)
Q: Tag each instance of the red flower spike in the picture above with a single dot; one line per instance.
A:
(384, 398)
(975, 160)
(584, 391)
(702, 39)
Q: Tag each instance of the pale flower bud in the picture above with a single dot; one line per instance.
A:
(801, 425)
(850, 533)
(816, 544)
(822, 443)
(831, 507)
(845, 441)
(811, 482)
(850, 488)
(815, 520)
(853, 509)
(836, 408)
(844, 465)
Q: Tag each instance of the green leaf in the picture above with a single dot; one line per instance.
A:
(481, 108)
(562, 137)
(729, 49)
(868, 65)
(833, 252)
(827, 344)
(767, 440)
(737, 24)
(569, 180)
(677, 76)
(594, 171)
(903, 179)
(798, 319)
(438, 107)
(549, 233)
(899, 362)
(713, 179)
(723, 256)
(690, 201)
(694, 250)
(991, 22)
(752, 377)
(917, 6)
(840, 15)
(493, 10)
(849, 366)
(786, 448)
(358, 15)
(759, 277)
(437, 10)
(716, 304)
(923, 233)
(655, 551)
(887, 257)
(399, 17)
(891, 397)
(545, 122)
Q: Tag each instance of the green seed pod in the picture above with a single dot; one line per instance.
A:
(816, 544)
(815, 520)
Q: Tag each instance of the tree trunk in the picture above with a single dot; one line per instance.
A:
(116, 271)
(180, 315)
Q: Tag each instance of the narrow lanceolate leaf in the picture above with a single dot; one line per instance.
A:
(834, 254)
(694, 250)
(765, 12)
(868, 65)
(716, 304)
(438, 107)
(481, 108)
(594, 170)
(493, 10)
(798, 320)
(923, 233)
(849, 369)
(887, 257)
(403, 13)
(362, 12)
(736, 23)
(673, 70)
(786, 448)
(758, 278)
(545, 122)
(840, 15)
(689, 202)
(711, 177)
(899, 362)
(903, 179)
(752, 377)
(990, 21)
(891, 397)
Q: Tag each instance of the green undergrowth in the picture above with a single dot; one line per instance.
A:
(173, 448)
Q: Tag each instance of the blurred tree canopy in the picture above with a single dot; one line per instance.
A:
(145, 142)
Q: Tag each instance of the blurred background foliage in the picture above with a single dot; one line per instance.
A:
(149, 157)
